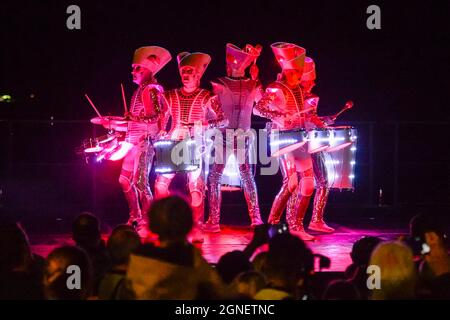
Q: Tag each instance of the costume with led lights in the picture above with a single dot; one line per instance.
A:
(145, 116)
(284, 105)
(237, 94)
(185, 109)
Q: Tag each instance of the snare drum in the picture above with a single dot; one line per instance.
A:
(106, 148)
(97, 148)
(284, 141)
(176, 156)
(341, 137)
(341, 167)
(318, 140)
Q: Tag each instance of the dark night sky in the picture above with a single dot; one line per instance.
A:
(396, 73)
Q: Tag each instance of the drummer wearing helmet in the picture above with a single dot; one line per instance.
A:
(145, 115)
(318, 159)
(237, 94)
(284, 104)
(187, 107)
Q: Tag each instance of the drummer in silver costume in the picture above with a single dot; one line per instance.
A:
(283, 103)
(237, 94)
(145, 123)
(318, 159)
(186, 106)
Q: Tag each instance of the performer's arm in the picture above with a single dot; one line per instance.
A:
(312, 101)
(213, 104)
(152, 100)
(262, 107)
(166, 110)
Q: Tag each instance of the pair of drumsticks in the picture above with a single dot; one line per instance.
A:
(96, 110)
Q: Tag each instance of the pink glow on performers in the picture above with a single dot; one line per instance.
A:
(187, 106)
(318, 159)
(237, 94)
(283, 103)
(145, 115)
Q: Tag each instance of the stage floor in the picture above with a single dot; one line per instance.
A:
(336, 246)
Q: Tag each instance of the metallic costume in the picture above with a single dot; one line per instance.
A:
(186, 109)
(283, 105)
(320, 170)
(237, 95)
(145, 113)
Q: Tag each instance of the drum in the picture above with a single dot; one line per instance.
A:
(112, 123)
(340, 165)
(284, 141)
(106, 148)
(318, 140)
(96, 148)
(176, 156)
(341, 137)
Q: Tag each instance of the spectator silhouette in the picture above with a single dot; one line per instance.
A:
(356, 273)
(434, 261)
(248, 284)
(341, 290)
(154, 267)
(121, 243)
(288, 265)
(20, 270)
(56, 277)
(86, 234)
(231, 264)
(398, 273)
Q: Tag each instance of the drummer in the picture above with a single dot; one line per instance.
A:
(283, 103)
(145, 114)
(318, 158)
(237, 94)
(187, 106)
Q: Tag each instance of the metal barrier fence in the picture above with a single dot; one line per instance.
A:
(398, 163)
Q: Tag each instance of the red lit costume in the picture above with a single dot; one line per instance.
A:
(186, 108)
(318, 159)
(237, 94)
(282, 103)
(145, 113)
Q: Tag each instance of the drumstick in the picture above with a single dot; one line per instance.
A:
(93, 106)
(124, 99)
(347, 106)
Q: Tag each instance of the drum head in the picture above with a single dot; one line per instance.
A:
(288, 149)
(93, 149)
(339, 147)
(321, 148)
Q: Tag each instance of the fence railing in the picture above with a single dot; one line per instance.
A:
(397, 163)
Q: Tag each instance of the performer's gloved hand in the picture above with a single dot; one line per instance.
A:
(328, 120)
(162, 134)
(128, 115)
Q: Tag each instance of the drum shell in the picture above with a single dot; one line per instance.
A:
(341, 137)
(285, 141)
(318, 140)
(176, 156)
(341, 165)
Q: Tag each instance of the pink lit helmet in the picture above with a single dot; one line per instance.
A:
(240, 59)
(199, 61)
(153, 58)
(309, 70)
(289, 55)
